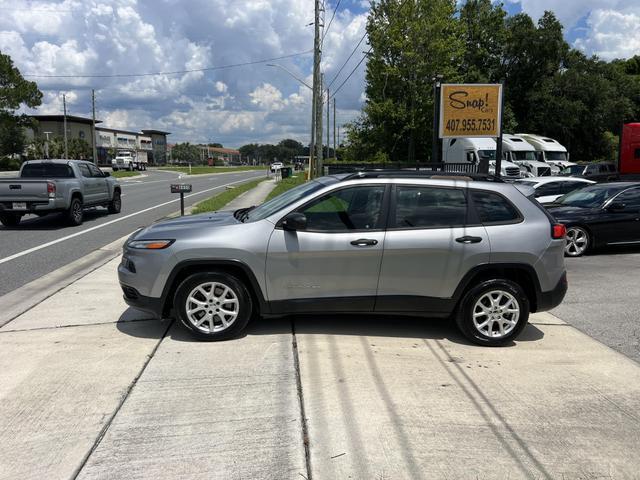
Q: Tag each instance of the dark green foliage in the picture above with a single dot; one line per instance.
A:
(550, 88)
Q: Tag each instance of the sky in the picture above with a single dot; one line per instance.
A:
(227, 102)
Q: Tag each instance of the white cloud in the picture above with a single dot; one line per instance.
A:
(612, 34)
(253, 103)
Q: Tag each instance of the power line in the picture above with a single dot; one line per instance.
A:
(177, 72)
(352, 72)
(347, 60)
(326, 30)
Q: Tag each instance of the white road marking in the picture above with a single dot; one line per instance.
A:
(91, 229)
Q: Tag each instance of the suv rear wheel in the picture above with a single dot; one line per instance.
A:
(213, 305)
(75, 214)
(493, 313)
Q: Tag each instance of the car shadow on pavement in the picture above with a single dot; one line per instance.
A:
(359, 325)
(55, 221)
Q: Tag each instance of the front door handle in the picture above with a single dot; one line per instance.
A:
(468, 239)
(364, 242)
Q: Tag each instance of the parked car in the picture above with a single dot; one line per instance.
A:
(479, 251)
(275, 166)
(50, 186)
(599, 171)
(599, 215)
(549, 189)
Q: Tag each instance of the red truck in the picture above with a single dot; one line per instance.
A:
(629, 156)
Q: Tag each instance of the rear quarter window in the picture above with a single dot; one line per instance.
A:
(494, 209)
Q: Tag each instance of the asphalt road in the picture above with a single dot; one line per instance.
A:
(40, 245)
(603, 299)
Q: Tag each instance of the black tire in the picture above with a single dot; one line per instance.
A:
(244, 309)
(10, 219)
(465, 314)
(75, 214)
(116, 203)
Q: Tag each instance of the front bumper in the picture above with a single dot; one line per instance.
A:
(147, 304)
(553, 298)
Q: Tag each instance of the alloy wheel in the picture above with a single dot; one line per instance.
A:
(577, 242)
(212, 307)
(496, 314)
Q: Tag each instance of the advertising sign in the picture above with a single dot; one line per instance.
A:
(180, 188)
(470, 110)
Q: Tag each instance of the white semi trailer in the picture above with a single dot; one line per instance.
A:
(475, 150)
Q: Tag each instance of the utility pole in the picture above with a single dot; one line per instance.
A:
(328, 129)
(338, 135)
(64, 124)
(435, 139)
(335, 154)
(317, 91)
(93, 126)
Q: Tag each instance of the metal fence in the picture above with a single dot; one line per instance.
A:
(437, 167)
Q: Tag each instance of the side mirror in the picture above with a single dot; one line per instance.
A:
(106, 174)
(616, 207)
(294, 221)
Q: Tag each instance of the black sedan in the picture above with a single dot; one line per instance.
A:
(599, 215)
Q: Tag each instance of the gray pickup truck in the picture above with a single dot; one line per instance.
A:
(57, 186)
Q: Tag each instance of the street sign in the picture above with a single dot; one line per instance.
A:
(470, 110)
(180, 187)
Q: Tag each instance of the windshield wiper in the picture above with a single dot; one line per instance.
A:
(243, 213)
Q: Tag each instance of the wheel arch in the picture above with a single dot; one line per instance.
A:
(520, 273)
(235, 267)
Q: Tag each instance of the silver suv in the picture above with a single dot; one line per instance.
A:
(405, 243)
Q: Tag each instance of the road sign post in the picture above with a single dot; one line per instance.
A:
(472, 110)
(181, 188)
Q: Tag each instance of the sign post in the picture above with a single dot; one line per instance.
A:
(181, 188)
(472, 110)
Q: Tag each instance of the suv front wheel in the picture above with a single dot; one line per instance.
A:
(213, 305)
(493, 312)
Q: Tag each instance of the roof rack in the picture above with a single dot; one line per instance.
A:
(433, 174)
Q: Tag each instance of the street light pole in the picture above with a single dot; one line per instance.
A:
(317, 88)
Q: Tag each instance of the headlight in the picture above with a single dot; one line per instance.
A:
(150, 244)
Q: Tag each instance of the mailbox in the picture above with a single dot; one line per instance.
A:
(180, 188)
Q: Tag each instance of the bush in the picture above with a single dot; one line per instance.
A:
(9, 164)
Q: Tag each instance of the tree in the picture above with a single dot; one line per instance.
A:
(485, 34)
(289, 148)
(15, 91)
(215, 145)
(185, 152)
(411, 41)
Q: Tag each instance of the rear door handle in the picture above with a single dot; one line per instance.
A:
(364, 242)
(468, 239)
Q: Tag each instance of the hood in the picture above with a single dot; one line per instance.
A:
(561, 212)
(180, 226)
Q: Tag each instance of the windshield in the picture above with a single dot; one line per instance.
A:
(46, 170)
(556, 156)
(572, 170)
(287, 198)
(490, 154)
(531, 155)
(589, 197)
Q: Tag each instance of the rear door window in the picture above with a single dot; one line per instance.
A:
(494, 209)
(429, 207)
(551, 188)
(84, 170)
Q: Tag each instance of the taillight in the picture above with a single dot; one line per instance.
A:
(51, 189)
(558, 231)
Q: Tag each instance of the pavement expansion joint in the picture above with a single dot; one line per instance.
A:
(130, 388)
(75, 325)
(303, 417)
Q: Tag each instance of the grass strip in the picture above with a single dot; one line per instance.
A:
(287, 184)
(220, 200)
(204, 170)
(124, 173)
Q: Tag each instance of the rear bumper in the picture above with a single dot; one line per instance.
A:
(147, 304)
(50, 205)
(552, 298)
